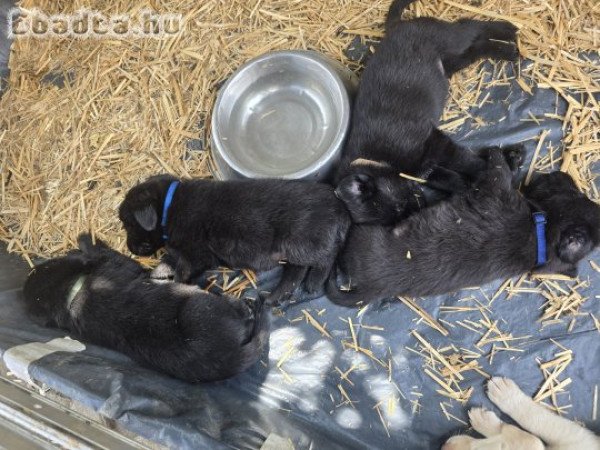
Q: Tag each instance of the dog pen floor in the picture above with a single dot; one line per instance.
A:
(398, 374)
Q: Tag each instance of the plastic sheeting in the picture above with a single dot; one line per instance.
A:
(296, 391)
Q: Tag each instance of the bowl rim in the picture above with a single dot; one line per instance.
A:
(327, 156)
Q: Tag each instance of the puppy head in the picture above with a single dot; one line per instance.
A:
(48, 286)
(573, 219)
(380, 199)
(141, 211)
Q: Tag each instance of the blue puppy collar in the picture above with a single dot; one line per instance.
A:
(166, 206)
(539, 218)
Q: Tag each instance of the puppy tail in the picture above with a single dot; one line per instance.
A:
(394, 14)
(259, 335)
(349, 299)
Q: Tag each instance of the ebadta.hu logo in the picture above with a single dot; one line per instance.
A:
(91, 24)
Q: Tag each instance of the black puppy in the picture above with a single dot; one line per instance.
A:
(487, 233)
(398, 106)
(246, 224)
(373, 196)
(108, 299)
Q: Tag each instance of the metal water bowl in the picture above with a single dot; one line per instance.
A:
(282, 115)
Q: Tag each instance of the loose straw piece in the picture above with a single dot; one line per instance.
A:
(595, 404)
(315, 323)
(410, 177)
(424, 315)
(439, 356)
(535, 155)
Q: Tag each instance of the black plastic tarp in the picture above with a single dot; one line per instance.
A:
(305, 403)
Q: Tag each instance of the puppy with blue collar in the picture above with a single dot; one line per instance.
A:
(254, 224)
(491, 231)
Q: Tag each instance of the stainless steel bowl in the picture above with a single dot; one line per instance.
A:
(282, 115)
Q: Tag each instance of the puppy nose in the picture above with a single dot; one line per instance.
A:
(145, 248)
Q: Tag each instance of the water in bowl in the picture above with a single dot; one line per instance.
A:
(282, 123)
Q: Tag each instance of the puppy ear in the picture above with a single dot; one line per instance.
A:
(86, 244)
(84, 241)
(574, 244)
(146, 217)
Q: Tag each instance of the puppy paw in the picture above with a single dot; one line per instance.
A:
(511, 52)
(485, 422)
(182, 274)
(514, 155)
(446, 180)
(493, 155)
(274, 300)
(501, 30)
(505, 394)
(314, 281)
(253, 306)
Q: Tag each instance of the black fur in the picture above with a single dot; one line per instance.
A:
(245, 224)
(473, 238)
(173, 328)
(373, 199)
(399, 102)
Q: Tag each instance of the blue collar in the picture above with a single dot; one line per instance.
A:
(539, 218)
(166, 206)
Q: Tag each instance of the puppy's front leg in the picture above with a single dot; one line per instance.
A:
(443, 151)
(446, 180)
(192, 264)
(290, 280)
(498, 176)
(514, 155)
(182, 265)
(183, 271)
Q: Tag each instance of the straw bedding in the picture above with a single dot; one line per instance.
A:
(126, 109)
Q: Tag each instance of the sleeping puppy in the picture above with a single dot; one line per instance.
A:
(108, 299)
(372, 197)
(244, 224)
(400, 101)
(543, 425)
(488, 232)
